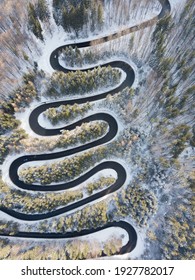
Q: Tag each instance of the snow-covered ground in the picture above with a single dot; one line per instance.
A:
(100, 236)
(44, 122)
(177, 4)
(24, 116)
(107, 234)
(105, 172)
(139, 248)
(59, 37)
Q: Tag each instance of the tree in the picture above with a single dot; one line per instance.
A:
(65, 20)
(100, 15)
(42, 10)
(93, 16)
(7, 122)
(33, 21)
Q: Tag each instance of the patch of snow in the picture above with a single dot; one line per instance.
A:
(7, 218)
(106, 234)
(23, 117)
(107, 172)
(187, 153)
(177, 6)
(58, 37)
(139, 248)
(176, 3)
(128, 179)
(5, 167)
(101, 236)
(45, 122)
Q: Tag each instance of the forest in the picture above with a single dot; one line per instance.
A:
(154, 122)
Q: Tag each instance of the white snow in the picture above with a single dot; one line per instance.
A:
(106, 234)
(101, 236)
(5, 167)
(58, 38)
(176, 3)
(139, 248)
(105, 172)
(128, 180)
(23, 117)
(52, 41)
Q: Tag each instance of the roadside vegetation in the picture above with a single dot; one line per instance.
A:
(22, 201)
(156, 139)
(67, 113)
(36, 14)
(19, 141)
(62, 170)
(79, 82)
(72, 57)
(100, 213)
(70, 250)
(73, 15)
(136, 202)
(11, 143)
(22, 96)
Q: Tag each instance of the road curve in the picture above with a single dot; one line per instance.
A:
(128, 247)
(113, 128)
(121, 178)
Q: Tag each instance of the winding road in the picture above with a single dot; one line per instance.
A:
(113, 129)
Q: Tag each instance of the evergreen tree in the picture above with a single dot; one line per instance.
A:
(42, 10)
(93, 17)
(65, 20)
(100, 15)
(87, 3)
(56, 3)
(83, 14)
(33, 21)
(31, 10)
(75, 14)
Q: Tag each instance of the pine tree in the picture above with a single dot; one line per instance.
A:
(100, 15)
(31, 10)
(93, 17)
(65, 20)
(42, 10)
(33, 22)
(56, 3)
